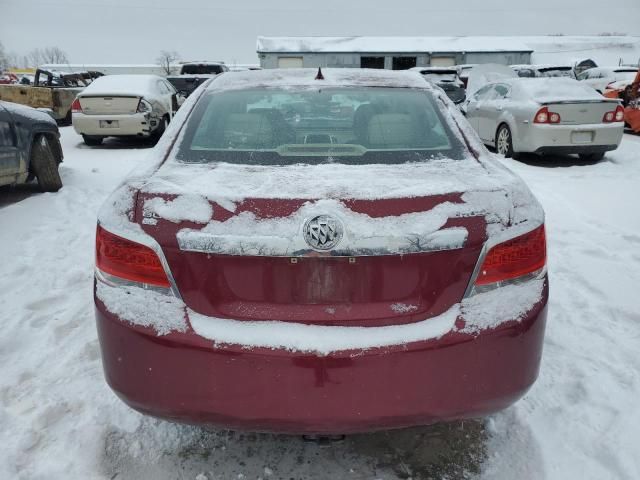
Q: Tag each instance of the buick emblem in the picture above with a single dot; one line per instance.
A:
(322, 232)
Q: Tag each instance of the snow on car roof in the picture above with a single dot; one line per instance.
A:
(306, 77)
(389, 44)
(140, 85)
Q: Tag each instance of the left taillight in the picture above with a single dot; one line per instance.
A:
(128, 260)
(514, 259)
(76, 107)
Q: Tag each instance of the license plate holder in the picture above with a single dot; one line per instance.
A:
(585, 136)
(109, 124)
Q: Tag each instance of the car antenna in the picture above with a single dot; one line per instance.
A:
(319, 76)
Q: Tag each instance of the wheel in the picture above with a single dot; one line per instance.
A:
(591, 157)
(92, 141)
(44, 165)
(164, 124)
(504, 142)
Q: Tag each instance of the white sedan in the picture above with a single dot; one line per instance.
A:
(545, 116)
(124, 106)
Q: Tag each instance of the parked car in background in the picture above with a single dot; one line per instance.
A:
(463, 72)
(324, 253)
(600, 77)
(203, 68)
(446, 78)
(533, 71)
(50, 91)
(545, 116)
(628, 92)
(124, 106)
(185, 85)
(29, 147)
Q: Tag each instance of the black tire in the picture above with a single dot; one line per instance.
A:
(591, 157)
(504, 142)
(92, 141)
(164, 123)
(44, 165)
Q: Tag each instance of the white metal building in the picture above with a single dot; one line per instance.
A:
(394, 53)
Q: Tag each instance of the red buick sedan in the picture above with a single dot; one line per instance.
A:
(320, 252)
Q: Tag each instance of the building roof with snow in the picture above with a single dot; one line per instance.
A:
(388, 44)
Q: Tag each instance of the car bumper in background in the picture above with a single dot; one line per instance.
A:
(565, 139)
(183, 377)
(139, 124)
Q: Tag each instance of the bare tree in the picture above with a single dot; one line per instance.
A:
(39, 56)
(166, 59)
(4, 59)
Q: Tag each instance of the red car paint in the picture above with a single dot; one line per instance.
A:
(181, 377)
(322, 289)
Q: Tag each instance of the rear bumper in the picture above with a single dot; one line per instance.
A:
(565, 138)
(138, 124)
(183, 377)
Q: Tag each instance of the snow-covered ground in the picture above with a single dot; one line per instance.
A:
(58, 419)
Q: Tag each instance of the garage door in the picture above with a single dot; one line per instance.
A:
(443, 61)
(289, 62)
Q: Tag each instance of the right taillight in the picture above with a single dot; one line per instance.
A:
(514, 258)
(616, 115)
(128, 260)
(76, 107)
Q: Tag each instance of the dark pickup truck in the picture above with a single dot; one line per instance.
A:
(194, 74)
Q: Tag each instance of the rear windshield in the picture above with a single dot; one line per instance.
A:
(347, 125)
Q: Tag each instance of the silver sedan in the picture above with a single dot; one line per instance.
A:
(545, 116)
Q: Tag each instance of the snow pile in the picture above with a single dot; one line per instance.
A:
(146, 308)
(193, 208)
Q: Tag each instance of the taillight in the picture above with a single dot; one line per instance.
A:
(143, 106)
(128, 260)
(514, 258)
(614, 116)
(545, 116)
(76, 107)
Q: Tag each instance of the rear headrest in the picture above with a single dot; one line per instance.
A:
(248, 130)
(391, 130)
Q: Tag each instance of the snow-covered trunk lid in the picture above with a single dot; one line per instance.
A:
(398, 260)
(109, 105)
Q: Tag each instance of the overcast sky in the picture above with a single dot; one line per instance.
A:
(134, 31)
